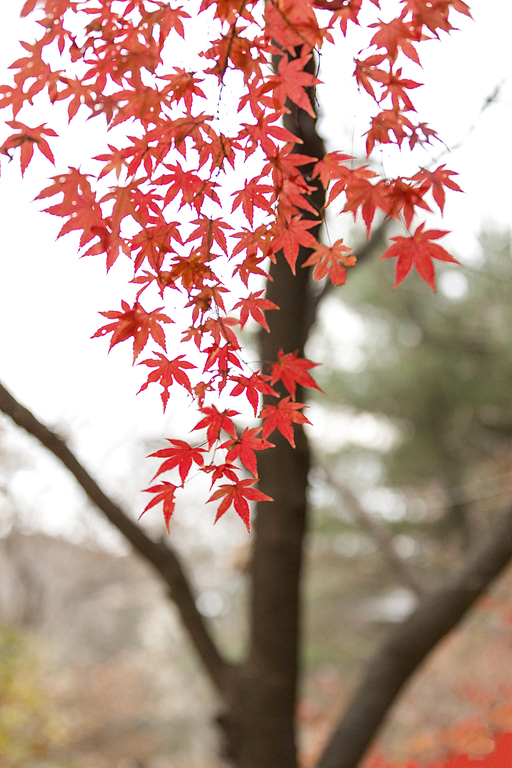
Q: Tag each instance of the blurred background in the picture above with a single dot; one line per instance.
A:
(413, 446)
(414, 456)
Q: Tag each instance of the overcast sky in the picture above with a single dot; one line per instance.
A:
(49, 299)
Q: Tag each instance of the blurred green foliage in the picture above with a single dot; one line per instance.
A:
(432, 373)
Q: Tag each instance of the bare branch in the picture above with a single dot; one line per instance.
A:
(379, 534)
(437, 614)
(159, 554)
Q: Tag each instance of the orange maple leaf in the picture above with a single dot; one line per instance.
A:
(331, 260)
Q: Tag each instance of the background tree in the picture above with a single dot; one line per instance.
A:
(435, 370)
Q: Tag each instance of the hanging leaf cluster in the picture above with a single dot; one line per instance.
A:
(205, 187)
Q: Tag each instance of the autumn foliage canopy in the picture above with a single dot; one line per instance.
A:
(205, 188)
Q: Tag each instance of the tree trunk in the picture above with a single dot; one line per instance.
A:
(262, 732)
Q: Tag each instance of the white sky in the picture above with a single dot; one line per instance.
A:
(49, 299)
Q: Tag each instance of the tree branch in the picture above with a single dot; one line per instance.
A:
(379, 534)
(436, 615)
(159, 554)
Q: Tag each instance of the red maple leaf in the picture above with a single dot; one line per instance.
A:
(228, 470)
(397, 34)
(238, 494)
(165, 493)
(183, 85)
(434, 15)
(331, 166)
(436, 181)
(27, 138)
(215, 421)
(390, 120)
(253, 305)
(281, 417)
(78, 207)
(427, 134)
(418, 250)
(293, 370)
(291, 234)
(283, 165)
(181, 455)
(136, 322)
(243, 448)
(290, 82)
(403, 197)
(395, 87)
(366, 71)
(252, 387)
(192, 188)
(346, 10)
(361, 193)
(293, 194)
(292, 23)
(220, 328)
(210, 231)
(355, 182)
(263, 132)
(224, 358)
(166, 373)
(171, 18)
(253, 196)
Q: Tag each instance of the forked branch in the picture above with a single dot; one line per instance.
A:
(392, 666)
(159, 554)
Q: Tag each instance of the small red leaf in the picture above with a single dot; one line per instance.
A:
(165, 494)
(238, 494)
(293, 370)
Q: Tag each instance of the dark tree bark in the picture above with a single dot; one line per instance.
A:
(262, 722)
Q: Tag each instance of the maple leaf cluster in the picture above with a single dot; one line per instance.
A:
(201, 205)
